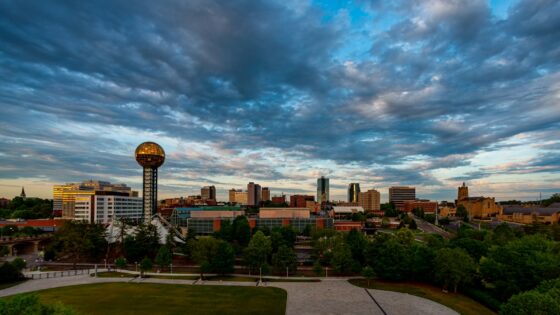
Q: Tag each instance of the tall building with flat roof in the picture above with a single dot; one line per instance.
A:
(208, 193)
(322, 189)
(370, 200)
(353, 192)
(253, 194)
(241, 197)
(399, 194)
(265, 194)
(231, 195)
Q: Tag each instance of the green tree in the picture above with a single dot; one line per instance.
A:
(453, 266)
(80, 241)
(144, 243)
(405, 236)
(368, 273)
(29, 304)
(520, 265)
(241, 230)
(284, 258)
(462, 212)
(389, 258)
(341, 260)
(318, 268)
(202, 251)
(145, 265)
(9, 273)
(255, 256)
(503, 234)
(475, 248)
(19, 263)
(357, 243)
(531, 303)
(120, 262)
(164, 256)
(413, 225)
(223, 261)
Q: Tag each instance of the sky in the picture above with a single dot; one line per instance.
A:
(426, 93)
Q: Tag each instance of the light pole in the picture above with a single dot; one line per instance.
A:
(326, 272)
(287, 273)
(136, 263)
(171, 266)
(260, 274)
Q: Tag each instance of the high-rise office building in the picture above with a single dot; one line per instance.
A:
(353, 192)
(265, 194)
(322, 189)
(64, 195)
(150, 156)
(253, 194)
(399, 194)
(208, 193)
(370, 200)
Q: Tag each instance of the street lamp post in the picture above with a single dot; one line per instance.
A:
(287, 273)
(260, 274)
(171, 266)
(136, 263)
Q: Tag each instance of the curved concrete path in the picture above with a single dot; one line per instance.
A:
(330, 296)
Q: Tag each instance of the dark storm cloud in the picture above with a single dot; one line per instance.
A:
(446, 80)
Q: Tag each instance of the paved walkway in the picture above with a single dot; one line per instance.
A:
(330, 296)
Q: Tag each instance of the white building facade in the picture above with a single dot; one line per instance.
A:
(105, 208)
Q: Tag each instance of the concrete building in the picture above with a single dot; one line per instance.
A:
(208, 193)
(279, 199)
(353, 192)
(477, 207)
(253, 194)
(241, 197)
(338, 211)
(103, 207)
(300, 201)
(265, 194)
(279, 213)
(399, 194)
(231, 194)
(370, 200)
(64, 195)
(323, 189)
(426, 206)
(530, 214)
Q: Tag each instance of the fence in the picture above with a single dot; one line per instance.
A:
(58, 274)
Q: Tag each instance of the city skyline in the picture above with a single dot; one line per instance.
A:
(405, 93)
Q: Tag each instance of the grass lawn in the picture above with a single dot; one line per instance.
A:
(11, 284)
(149, 299)
(459, 302)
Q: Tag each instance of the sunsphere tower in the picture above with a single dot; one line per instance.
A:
(150, 156)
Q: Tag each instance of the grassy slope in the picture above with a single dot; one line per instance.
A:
(148, 298)
(459, 302)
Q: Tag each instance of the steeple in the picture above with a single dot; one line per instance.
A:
(22, 195)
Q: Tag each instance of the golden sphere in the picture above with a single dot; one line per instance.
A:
(150, 154)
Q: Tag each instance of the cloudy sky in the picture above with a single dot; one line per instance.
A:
(427, 93)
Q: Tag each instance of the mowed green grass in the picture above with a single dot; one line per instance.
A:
(459, 302)
(149, 299)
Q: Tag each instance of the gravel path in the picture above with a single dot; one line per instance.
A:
(330, 296)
